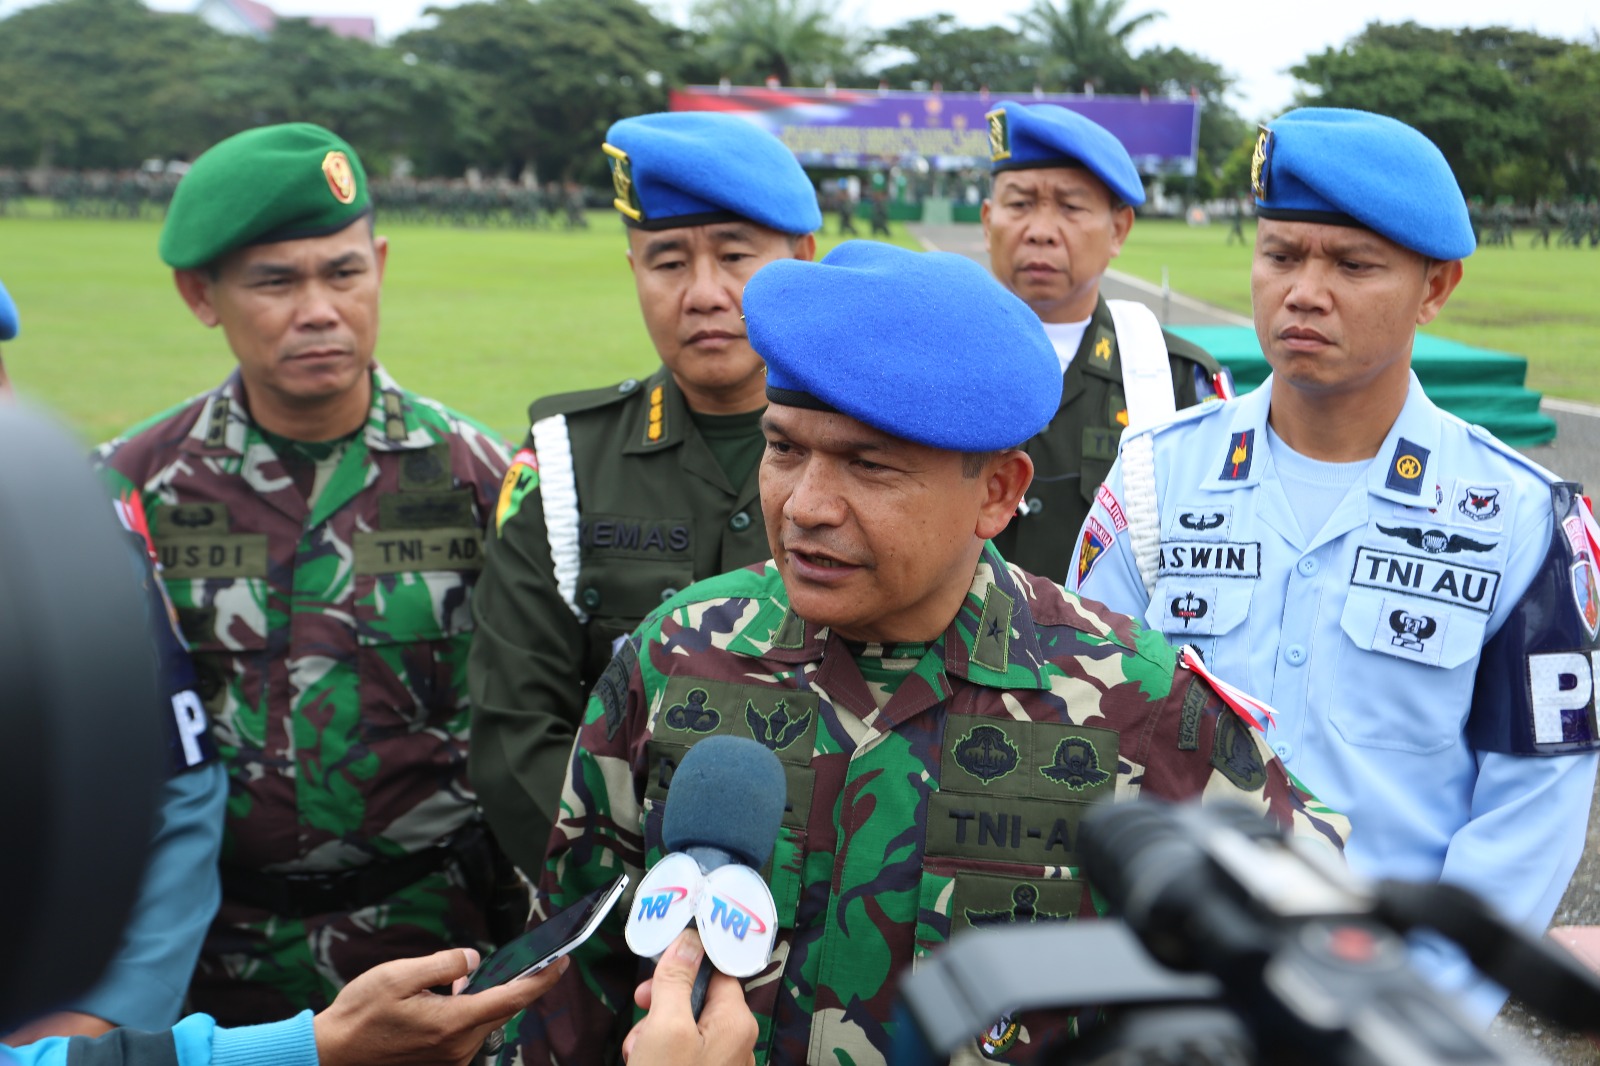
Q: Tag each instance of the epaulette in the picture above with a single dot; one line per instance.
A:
(1549, 477)
(568, 403)
(1180, 417)
(1180, 348)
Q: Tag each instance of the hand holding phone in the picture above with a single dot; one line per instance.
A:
(548, 941)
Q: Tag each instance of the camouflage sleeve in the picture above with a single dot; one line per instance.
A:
(1198, 747)
(598, 836)
(526, 680)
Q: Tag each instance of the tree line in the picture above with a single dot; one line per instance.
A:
(513, 86)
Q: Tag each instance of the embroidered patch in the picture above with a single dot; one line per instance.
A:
(1194, 705)
(986, 753)
(991, 648)
(1190, 609)
(1406, 466)
(1000, 1038)
(1076, 765)
(1206, 521)
(612, 687)
(1408, 631)
(693, 715)
(775, 730)
(521, 479)
(1586, 594)
(1479, 505)
(1190, 558)
(178, 518)
(1234, 753)
(1096, 539)
(1431, 578)
(1024, 910)
(1241, 452)
(1108, 501)
(1435, 541)
(1102, 348)
(426, 469)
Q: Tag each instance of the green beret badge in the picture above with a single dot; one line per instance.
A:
(341, 177)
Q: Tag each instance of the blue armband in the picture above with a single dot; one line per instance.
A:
(1538, 679)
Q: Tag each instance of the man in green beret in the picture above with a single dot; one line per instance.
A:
(319, 530)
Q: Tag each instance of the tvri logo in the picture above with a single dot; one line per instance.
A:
(734, 917)
(652, 908)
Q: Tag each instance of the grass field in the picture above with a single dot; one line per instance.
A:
(488, 320)
(483, 320)
(1538, 303)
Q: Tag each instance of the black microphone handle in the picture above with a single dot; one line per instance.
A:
(702, 983)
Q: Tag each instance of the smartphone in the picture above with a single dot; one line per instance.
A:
(548, 941)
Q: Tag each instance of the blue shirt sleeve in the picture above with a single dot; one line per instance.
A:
(145, 984)
(195, 1041)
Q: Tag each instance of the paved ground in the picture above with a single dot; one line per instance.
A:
(1574, 454)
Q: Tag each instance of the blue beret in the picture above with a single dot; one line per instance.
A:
(925, 346)
(1044, 135)
(8, 315)
(690, 168)
(1354, 168)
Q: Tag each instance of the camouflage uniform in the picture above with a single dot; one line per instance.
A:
(330, 640)
(1073, 454)
(956, 804)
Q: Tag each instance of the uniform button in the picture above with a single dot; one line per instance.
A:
(739, 522)
(667, 594)
(1285, 751)
(591, 598)
(1035, 505)
(1294, 654)
(628, 386)
(1308, 567)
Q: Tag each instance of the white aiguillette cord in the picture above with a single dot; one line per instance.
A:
(1243, 704)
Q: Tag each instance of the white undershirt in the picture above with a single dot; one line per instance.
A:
(1065, 336)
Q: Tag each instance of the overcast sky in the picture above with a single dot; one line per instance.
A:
(1254, 41)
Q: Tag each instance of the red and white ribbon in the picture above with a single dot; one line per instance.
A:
(1591, 527)
(1243, 704)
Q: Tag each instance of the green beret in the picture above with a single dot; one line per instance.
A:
(273, 183)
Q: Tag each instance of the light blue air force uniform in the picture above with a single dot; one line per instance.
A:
(1366, 636)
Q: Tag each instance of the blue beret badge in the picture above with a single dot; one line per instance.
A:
(1260, 161)
(627, 193)
(999, 135)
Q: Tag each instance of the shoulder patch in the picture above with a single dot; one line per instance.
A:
(521, 479)
(1234, 753)
(567, 403)
(612, 688)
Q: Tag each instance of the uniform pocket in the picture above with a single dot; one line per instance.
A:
(413, 629)
(1415, 656)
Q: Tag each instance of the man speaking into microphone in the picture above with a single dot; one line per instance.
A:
(942, 719)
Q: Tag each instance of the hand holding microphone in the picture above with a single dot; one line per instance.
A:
(720, 824)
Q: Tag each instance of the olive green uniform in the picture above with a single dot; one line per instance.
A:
(1075, 452)
(654, 512)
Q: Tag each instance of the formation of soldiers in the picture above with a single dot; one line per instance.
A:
(133, 194)
(1574, 223)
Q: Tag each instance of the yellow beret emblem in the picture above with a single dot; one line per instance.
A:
(627, 198)
(341, 178)
(999, 135)
(1259, 160)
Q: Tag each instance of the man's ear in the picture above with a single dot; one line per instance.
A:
(195, 288)
(380, 255)
(1441, 280)
(1006, 476)
(806, 248)
(1121, 226)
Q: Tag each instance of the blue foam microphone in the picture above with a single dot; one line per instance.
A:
(723, 811)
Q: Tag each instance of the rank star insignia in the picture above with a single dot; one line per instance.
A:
(627, 194)
(776, 730)
(341, 178)
(693, 716)
(1077, 765)
(1260, 161)
(986, 753)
